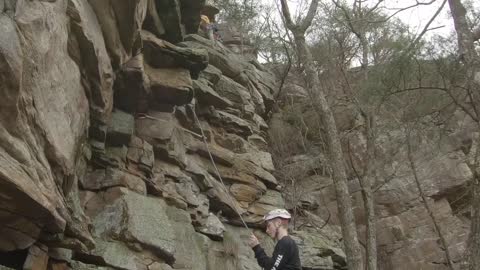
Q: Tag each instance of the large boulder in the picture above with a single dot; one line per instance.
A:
(133, 218)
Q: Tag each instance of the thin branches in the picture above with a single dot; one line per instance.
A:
(426, 28)
(305, 23)
(425, 202)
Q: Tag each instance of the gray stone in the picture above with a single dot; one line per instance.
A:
(138, 219)
(232, 123)
(259, 158)
(37, 258)
(140, 157)
(131, 86)
(229, 64)
(264, 83)
(159, 266)
(81, 266)
(169, 12)
(111, 253)
(121, 24)
(261, 124)
(88, 50)
(233, 253)
(162, 54)
(190, 12)
(120, 128)
(245, 193)
(211, 74)
(207, 96)
(220, 155)
(318, 252)
(232, 142)
(39, 138)
(190, 246)
(152, 22)
(110, 177)
(156, 127)
(258, 141)
(234, 92)
(213, 227)
(98, 134)
(60, 254)
(269, 201)
(170, 85)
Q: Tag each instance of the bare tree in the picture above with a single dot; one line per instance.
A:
(437, 227)
(471, 60)
(334, 148)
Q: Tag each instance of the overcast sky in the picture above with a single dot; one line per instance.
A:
(416, 17)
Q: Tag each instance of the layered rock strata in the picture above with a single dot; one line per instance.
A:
(103, 164)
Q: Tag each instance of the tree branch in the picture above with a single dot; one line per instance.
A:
(423, 196)
(349, 19)
(287, 16)
(374, 8)
(425, 29)
(307, 21)
(285, 73)
(398, 10)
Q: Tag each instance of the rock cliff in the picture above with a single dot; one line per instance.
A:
(406, 235)
(111, 115)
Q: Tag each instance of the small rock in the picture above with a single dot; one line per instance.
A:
(213, 228)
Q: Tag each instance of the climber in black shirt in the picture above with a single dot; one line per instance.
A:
(285, 255)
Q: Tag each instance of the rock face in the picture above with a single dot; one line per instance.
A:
(110, 115)
(406, 236)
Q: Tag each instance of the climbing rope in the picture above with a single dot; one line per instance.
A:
(204, 138)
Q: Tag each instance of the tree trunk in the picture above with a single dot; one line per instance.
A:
(366, 183)
(474, 239)
(413, 167)
(471, 59)
(334, 148)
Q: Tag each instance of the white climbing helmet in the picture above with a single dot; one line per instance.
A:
(277, 213)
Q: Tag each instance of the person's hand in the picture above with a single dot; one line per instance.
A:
(253, 241)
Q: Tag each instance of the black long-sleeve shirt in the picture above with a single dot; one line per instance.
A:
(285, 256)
